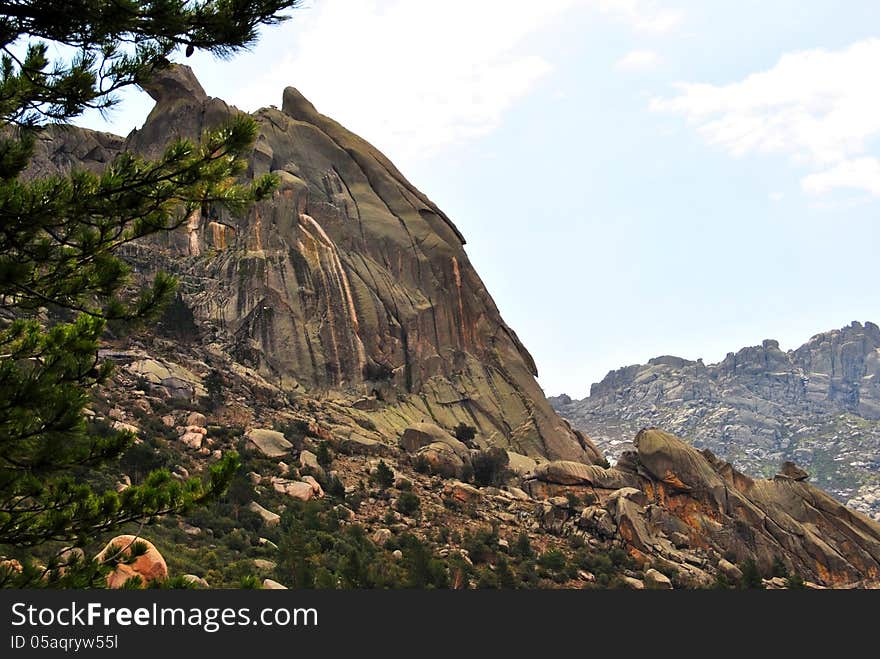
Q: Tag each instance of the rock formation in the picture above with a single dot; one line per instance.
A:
(669, 502)
(147, 566)
(818, 406)
(349, 279)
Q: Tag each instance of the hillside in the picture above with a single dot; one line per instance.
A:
(817, 405)
(390, 426)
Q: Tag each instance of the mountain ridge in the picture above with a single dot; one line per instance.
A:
(817, 404)
(337, 337)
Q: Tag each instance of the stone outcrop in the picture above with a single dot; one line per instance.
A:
(690, 509)
(349, 278)
(817, 406)
(270, 443)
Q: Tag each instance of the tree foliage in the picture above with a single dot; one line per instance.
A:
(60, 278)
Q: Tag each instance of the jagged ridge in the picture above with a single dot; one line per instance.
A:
(818, 405)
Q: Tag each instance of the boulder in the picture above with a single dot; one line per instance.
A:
(149, 566)
(196, 419)
(263, 565)
(196, 581)
(565, 472)
(441, 459)
(632, 583)
(460, 492)
(520, 464)
(357, 444)
(269, 518)
(125, 427)
(518, 494)
(598, 521)
(315, 485)
(421, 435)
(553, 515)
(366, 404)
(792, 471)
(176, 381)
(730, 571)
(192, 439)
(381, 537)
(309, 461)
(271, 584)
(270, 443)
(656, 580)
(679, 466)
(294, 489)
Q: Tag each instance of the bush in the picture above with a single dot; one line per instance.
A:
(553, 560)
(384, 476)
(408, 504)
(465, 433)
(778, 569)
(751, 578)
(506, 577)
(523, 546)
(421, 465)
(482, 545)
(795, 581)
(487, 579)
(490, 466)
(322, 453)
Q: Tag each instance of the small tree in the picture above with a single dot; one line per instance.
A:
(490, 466)
(322, 453)
(751, 578)
(408, 503)
(465, 433)
(383, 477)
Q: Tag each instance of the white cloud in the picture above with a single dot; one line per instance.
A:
(418, 76)
(638, 61)
(858, 173)
(819, 107)
(414, 76)
(642, 15)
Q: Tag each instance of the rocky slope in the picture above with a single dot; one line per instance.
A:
(818, 405)
(340, 324)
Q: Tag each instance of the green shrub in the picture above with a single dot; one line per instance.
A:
(322, 453)
(465, 433)
(751, 578)
(408, 503)
(553, 560)
(384, 476)
(523, 546)
(487, 579)
(490, 466)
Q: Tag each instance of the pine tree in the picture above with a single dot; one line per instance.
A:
(60, 280)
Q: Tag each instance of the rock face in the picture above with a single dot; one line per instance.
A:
(817, 406)
(687, 509)
(349, 278)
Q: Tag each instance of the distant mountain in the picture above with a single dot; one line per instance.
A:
(818, 405)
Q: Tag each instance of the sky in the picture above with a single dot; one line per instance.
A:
(634, 178)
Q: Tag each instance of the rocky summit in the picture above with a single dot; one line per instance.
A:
(349, 279)
(389, 424)
(817, 406)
